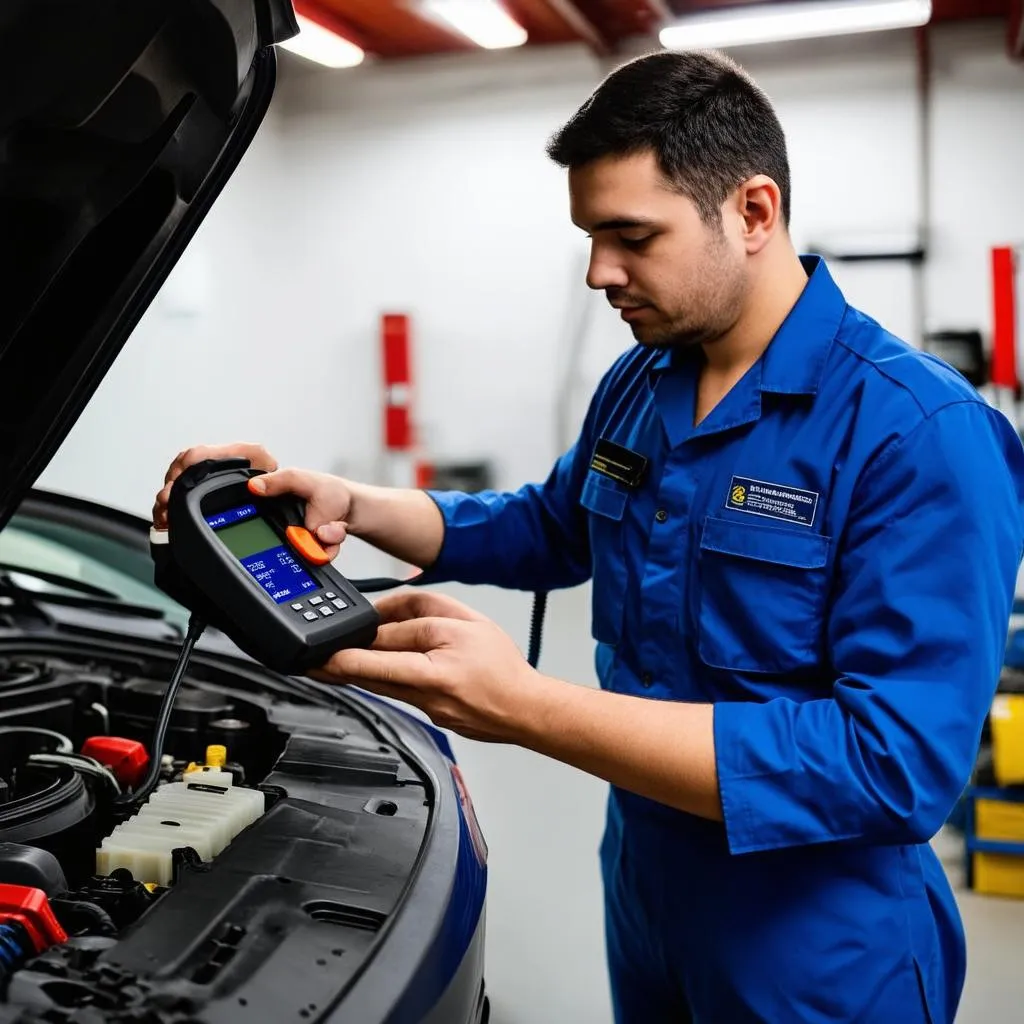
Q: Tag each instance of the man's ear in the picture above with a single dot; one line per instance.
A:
(758, 204)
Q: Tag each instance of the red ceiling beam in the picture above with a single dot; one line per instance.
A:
(390, 28)
(555, 21)
(581, 24)
(1015, 30)
(691, 6)
(619, 19)
(957, 10)
(331, 20)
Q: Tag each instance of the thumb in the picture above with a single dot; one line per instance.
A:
(283, 481)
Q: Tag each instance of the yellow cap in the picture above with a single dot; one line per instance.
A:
(216, 756)
(192, 767)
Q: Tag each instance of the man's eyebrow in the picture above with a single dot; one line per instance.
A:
(623, 224)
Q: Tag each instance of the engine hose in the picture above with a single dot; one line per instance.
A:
(196, 626)
(15, 950)
(540, 606)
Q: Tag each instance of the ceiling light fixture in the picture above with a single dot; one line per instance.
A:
(319, 44)
(772, 23)
(485, 22)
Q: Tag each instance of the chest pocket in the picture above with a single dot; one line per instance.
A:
(606, 503)
(762, 597)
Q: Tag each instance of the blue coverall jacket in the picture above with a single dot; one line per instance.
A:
(830, 559)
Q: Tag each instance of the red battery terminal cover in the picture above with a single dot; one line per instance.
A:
(31, 909)
(127, 759)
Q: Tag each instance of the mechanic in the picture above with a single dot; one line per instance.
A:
(803, 537)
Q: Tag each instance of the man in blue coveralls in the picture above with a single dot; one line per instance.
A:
(803, 537)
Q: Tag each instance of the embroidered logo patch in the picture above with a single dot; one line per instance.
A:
(774, 501)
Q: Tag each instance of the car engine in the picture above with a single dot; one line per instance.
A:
(282, 811)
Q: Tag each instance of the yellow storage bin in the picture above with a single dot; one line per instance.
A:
(999, 874)
(1007, 720)
(1001, 820)
(998, 818)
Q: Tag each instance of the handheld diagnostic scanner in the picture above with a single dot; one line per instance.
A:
(248, 566)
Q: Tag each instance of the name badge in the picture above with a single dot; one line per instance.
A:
(618, 463)
(774, 501)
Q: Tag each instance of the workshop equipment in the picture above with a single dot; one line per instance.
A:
(994, 840)
(248, 565)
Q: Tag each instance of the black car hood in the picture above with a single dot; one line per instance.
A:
(120, 122)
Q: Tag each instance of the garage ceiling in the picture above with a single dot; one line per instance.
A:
(392, 29)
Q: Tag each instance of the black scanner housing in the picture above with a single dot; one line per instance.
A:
(197, 570)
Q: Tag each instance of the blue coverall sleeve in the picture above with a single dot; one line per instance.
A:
(916, 632)
(531, 539)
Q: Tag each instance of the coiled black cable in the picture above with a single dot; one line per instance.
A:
(540, 607)
(377, 584)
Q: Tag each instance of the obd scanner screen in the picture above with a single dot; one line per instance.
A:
(252, 541)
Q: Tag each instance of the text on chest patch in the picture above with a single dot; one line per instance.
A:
(775, 501)
(618, 463)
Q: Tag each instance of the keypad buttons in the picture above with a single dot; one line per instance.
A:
(330, 596)
(325, 611)
(310, 617)
(338, 603)
(297, 607)
(314, 601)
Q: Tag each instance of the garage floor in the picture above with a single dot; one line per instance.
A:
(543, 823)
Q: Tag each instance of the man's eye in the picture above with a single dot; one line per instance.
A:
(636, 243)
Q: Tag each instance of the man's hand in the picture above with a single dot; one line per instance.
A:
(328, 498)
(257, 455)
(451, 662)
(468, 676)
(328, 501)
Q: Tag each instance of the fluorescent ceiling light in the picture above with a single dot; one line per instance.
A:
(316, 43)
(774, 23)
(485, 22)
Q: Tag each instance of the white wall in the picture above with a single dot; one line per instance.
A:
(424, 188)
(434, 197)
(978, 157)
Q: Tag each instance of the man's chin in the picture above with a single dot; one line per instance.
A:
(652, 336)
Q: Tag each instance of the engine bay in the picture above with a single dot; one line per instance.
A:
(285, 813)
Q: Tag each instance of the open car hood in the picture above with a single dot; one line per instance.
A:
(120, 122)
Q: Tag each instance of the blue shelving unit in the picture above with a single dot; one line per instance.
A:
(972, 844)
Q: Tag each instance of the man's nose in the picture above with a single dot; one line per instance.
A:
(604, 272)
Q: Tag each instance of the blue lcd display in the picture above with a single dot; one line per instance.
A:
(232, 515)
(251, 540)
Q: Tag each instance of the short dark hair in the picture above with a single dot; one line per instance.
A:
(709, 124)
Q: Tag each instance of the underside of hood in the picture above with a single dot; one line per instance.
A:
(120, 122)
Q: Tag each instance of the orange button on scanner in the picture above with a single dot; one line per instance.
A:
(307, 545)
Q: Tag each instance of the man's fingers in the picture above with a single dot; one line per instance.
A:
(391, 667)
(420, 635)
(284, 481)
(331, 534)
(423, 604)
(257, 455)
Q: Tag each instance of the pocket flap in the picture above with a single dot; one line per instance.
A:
(765, 543)
(605, 500)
